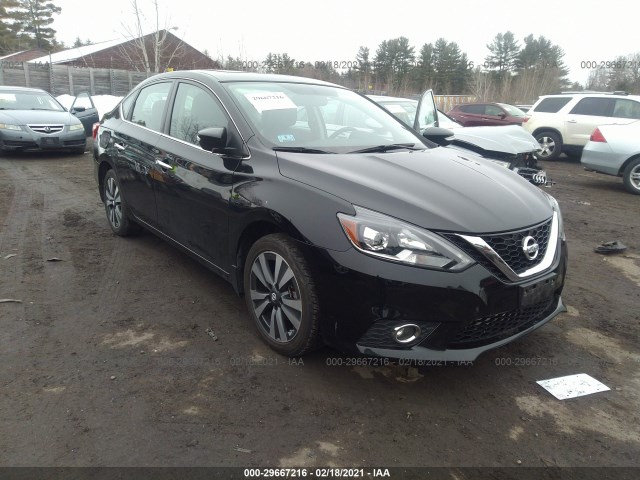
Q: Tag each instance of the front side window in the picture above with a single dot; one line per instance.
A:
(317, 117)
(193, 110)
(148, 109)
(598, 107)
(493, 110)
(513, 111)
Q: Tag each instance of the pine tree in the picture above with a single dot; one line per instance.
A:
(504, 53)
(35, 18)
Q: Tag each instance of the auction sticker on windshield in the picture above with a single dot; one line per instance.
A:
(270, 101)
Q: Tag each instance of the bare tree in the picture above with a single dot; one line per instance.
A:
(152, 52)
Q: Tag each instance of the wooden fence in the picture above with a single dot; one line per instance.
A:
(61, 79)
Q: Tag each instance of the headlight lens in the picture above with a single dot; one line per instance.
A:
(556, 208)
(73, 128)
(386, 237)
(8, 126)
(500, 162)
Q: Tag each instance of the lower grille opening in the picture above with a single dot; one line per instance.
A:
(492, 328)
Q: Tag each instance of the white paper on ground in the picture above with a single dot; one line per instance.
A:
(572, 386)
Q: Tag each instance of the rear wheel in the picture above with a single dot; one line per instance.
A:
(281, 296)
(631, 176)
(550, 145)
(115, 206)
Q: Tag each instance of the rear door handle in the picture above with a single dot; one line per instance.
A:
(572, 121)
(166, 166)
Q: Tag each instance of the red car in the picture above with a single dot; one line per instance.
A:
(486, 114)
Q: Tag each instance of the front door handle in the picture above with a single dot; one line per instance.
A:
(166, 166)
(572, 121)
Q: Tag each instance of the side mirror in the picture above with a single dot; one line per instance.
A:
(219, 140)
(213, 139)
(503, 115)
(441, 136)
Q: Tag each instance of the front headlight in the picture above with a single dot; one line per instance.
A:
(556, 208)
(73, 128)
(386, 237)
(8, 126)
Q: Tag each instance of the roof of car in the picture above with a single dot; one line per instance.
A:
(239, 76)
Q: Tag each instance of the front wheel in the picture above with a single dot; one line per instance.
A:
(631, 176)
(550, 145)
(281, 296)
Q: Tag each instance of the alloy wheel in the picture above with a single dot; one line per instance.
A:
(547, 146)
(113, 202)
(634, 177)
(275, 297)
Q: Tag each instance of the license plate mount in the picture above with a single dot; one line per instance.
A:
(537, 292)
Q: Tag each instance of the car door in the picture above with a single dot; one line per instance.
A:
(194, 191)
(584, 117)
(134, 145)
(471, 115)
(426, 113)
(85, 110)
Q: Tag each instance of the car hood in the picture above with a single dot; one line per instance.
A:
(436, 188)
(511, 139)
(27, 117)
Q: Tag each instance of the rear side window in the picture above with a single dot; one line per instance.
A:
(597, 107)
(551, 105)
(476, 109)
(626, 109)
(149, 107)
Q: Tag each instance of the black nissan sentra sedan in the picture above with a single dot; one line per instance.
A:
(338, 223)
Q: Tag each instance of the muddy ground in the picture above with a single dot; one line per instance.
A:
(107, 360)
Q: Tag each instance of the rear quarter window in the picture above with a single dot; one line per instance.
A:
(551, 105)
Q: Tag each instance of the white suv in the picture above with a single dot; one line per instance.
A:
(564, 122)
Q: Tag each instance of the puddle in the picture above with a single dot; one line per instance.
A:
(322, 454)
(627, 265)
(570, 419)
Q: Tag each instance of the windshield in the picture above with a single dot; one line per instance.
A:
(29, 101)
(513, 111)
(317, 117)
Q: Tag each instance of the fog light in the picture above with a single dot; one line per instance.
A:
(406, 333)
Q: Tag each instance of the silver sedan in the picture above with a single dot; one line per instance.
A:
(615, 150)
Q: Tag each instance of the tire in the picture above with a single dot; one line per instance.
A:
(116, 208)
(285, 314)
(631, 176)
(551, 145)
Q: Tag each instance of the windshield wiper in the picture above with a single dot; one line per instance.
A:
(387, 148)
(299, 150)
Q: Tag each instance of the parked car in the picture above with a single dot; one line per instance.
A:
(31, 119)
(524, 108)
(615, 150)
(509, 146)
(564, 122)
(356, 234)
(486, 114)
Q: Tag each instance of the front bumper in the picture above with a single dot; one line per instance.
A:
(25, 139)
(460, 315)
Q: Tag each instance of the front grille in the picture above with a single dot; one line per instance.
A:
(492, 328)
(46, 129)
(509, 246)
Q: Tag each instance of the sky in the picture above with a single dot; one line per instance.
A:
(333, 30)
